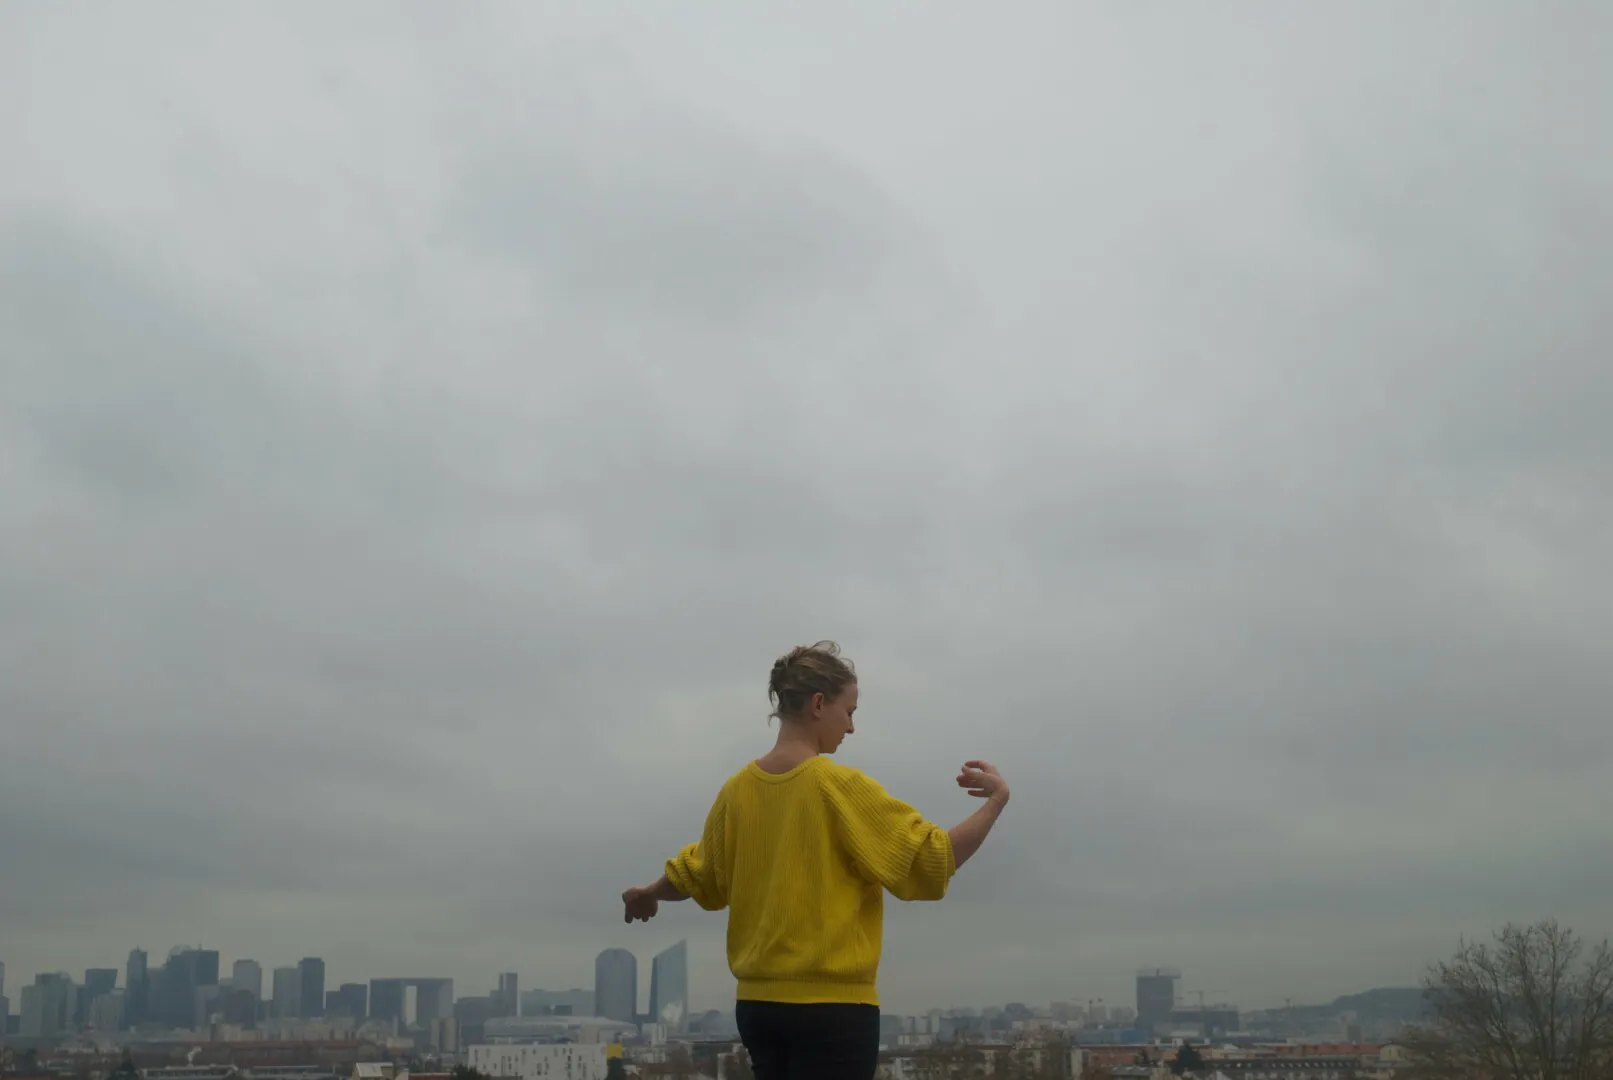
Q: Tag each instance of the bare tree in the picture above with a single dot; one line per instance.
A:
(736, 1066)
(680, 1062)
(1055, 1063)
(1536, 1004)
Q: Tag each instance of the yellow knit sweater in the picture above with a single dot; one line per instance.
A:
(801, 861)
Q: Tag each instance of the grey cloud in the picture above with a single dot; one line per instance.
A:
(614, 197)
(417, 445)
(114, 379)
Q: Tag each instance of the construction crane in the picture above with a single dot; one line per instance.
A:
(1204, 1013)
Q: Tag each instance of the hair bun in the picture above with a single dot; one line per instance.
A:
(807, 670)
(781, 667)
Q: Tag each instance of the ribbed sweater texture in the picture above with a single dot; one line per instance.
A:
(801, 860)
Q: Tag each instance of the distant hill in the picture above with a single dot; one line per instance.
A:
(1403, 1003)
(1386, 1004)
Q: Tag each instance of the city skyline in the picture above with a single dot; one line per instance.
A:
(297, 992)
(421, 429)
(55, 1006)
(1155, 992)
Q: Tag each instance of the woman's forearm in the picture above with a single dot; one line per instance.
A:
(664, 891)
(968, 834)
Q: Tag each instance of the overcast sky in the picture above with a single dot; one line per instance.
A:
(421, 426)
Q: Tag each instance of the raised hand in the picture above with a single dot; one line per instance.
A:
(640, 904)
(982, 780)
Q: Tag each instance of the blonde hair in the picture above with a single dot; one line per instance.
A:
(806, 670)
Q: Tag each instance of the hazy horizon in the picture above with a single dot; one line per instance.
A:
(421, 428)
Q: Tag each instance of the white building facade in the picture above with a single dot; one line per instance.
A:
(541, 1061)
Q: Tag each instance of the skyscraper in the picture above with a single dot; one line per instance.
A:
(434, 1000)
(175, 993)
(351, 1000)
(388, 998)
(669, 986)
(238, 1008)
(508, 1001)
(312, 992)
(206, 966)
(137, 989)
(616, 985)
(31, 1013)
(47, 1006)
(98, 983)
(248, 975)
(5, 1002)
(106, 1012)
(287, 994)
(1156, 997)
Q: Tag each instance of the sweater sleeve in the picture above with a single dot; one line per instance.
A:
(697, 870)
(887, 840)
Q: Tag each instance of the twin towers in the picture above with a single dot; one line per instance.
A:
(616, 987)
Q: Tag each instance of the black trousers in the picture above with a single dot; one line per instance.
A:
(809, 1042)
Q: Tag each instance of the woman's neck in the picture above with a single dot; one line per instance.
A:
(792, 748)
